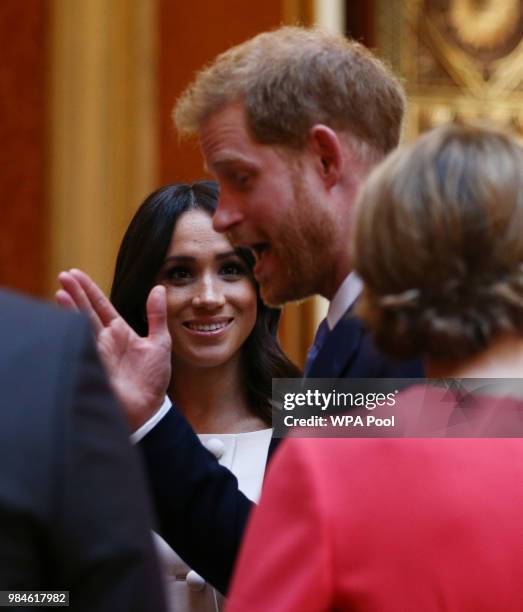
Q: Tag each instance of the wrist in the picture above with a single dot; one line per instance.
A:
(151, 423)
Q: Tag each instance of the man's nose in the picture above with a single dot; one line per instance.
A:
(209, 294)
(227, 214)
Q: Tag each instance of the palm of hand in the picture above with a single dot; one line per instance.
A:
(139, 368)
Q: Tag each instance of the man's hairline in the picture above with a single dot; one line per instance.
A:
(290, 152)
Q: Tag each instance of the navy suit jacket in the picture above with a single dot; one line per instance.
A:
(349, 352)
(202, 513)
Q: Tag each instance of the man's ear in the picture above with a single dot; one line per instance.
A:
(325, 144)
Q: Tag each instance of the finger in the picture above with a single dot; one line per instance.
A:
(79, 297)
(98, 300)
(157, 312)
(65, 300)
(70, 287)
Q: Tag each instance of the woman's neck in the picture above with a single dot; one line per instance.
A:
(213, 400)
(503, 358)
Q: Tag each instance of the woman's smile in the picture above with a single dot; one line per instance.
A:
(208, 326)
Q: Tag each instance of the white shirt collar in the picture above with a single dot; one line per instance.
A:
(344, 298)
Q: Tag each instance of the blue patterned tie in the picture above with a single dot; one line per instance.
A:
(321, 334)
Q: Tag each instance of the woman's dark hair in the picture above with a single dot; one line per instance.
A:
(140, 258)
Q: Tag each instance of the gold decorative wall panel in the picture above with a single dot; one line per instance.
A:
(461, 59)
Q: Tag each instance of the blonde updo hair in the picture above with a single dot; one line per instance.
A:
(439, 244)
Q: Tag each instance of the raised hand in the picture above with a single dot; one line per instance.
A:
(139, 368)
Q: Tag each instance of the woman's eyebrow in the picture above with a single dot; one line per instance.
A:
(227, 254)
(180, 259)
(190, 258)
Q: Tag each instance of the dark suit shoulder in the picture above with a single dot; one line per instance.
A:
(21, 316)
(73, 506)
(41, 343)
(42, 348)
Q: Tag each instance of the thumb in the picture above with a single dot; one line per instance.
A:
(157, 312)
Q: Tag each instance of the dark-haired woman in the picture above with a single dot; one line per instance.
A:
(224, 347)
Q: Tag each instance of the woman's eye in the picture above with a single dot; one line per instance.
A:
(232, 269)
(179, 274)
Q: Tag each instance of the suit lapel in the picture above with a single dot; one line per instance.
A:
(339, 348)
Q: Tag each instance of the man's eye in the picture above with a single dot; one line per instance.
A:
(241, 180)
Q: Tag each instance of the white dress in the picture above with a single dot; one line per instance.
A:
(245, 454)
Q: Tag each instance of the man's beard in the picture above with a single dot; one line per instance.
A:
(303, 248)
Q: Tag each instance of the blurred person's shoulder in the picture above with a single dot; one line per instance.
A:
(42, 345)
(22, 316)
